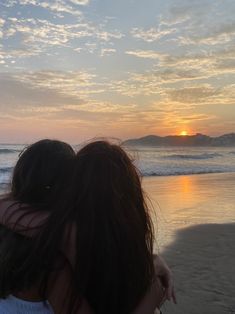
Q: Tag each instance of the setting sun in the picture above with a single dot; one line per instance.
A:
(183, 133)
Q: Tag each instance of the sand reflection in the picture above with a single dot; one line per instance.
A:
(182, 201)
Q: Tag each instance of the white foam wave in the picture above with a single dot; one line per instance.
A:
(196, 156)
(8, 151)
(166, 172)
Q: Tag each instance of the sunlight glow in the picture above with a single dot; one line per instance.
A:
(183, 133)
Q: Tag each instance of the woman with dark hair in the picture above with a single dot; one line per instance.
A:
(113, 218)
(41, 173)
(98, 231)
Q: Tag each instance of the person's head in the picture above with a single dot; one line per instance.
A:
(41, 170)
(40, 176)
(114, 266)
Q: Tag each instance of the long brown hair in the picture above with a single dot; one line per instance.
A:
(114, 242)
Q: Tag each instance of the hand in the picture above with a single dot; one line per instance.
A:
(164, 273)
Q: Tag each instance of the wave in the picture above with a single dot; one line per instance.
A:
(194, 157)
(8, 151)
(166, 172)
(6, 170)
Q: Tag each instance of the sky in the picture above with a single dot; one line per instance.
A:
(79, 69)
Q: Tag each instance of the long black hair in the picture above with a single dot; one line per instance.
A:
(113, 264)
(41, 174)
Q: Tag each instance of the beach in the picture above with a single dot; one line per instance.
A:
(194, 218)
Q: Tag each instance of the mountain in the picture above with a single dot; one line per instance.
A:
(179, 140)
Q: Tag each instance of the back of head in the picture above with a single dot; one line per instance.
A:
(41, 171)
(114, 266)
(40, 176)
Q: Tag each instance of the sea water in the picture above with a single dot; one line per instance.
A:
(9, 154)
(151, 161)
(168, 161)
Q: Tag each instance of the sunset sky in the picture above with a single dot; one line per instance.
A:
(76, 69)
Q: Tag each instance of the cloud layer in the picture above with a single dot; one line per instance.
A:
(89, 67)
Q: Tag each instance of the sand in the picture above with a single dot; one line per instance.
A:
(195, 220)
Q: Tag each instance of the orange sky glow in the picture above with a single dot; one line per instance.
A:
(76, 70)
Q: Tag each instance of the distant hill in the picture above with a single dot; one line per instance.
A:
(179, 140)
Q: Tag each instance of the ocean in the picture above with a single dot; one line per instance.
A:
(151, 161)
(9, 154)
(172, 161)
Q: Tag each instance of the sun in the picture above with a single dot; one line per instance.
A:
(184, 133)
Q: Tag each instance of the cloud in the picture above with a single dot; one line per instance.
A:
(180, 11)
(156, 82)
(189, 66)
(184, 75)
(192, 94)
(68, 83)
(36, 35)
(46, 33)
(106, 36)
(209, 64)
(1, 25)
(18, 93)
(200, 22)
(148, 54)
(44, 89)
(54, 6)
(80, 2)
(180, 118)
(137, 84)
(169, 75)
(99, 106)
(43, 97)
(107, 52)
(225, 65)
(151, 34)
(216, 34)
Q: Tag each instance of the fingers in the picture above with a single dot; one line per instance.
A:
(174, 296)
(170, 294)
(164, 273)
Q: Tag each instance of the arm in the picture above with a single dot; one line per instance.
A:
(153, 299)
(59, 290)
(165, 275)
(22, 219)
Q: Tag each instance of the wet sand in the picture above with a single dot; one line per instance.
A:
(195, 221)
